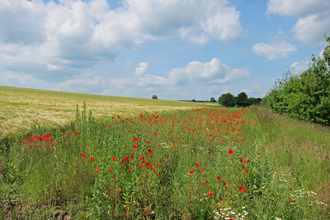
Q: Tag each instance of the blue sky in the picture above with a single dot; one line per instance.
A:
(175, 49)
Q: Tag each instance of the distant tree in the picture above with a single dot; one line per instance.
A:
(194, 100)
(242, 99)
(252, 101)
(259, 100)
(154, 97)
(227, 100)
(212, 99)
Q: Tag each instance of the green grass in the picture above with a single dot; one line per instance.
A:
(56, 177)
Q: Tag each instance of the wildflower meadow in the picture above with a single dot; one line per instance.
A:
(206, 163)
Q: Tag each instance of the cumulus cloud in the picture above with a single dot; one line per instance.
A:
(208, 72)
(142, 70)
(313, 18)
(72, 37)
(297, 8)
(273, 51)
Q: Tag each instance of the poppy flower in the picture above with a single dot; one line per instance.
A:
(159, 164)
(149, 150)
(83, 155)
(156, 172)
(113, 159)
(197, 165)
(224, 183)
(136, 139)
(247, 171)
(231, 152)
(210, 193)
(97, 169)
(206, 182)
(218, 178)
(91, 159)
(191, 172)
(244, 166)
(289, 199)
(243, 190)
(140, 166)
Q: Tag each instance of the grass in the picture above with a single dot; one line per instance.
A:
(206, 163)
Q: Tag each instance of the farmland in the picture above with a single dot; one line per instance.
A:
(129, 158)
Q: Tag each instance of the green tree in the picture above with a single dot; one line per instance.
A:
(242, 99)
(212, 99)
(227, 100)
(194, 100)
(154, 97)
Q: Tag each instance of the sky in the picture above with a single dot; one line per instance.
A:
(175, 49)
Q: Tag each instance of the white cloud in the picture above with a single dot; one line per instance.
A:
(142, 70)
(321, 54)
(252, 89)
(310, 30)
(209, 72)
(273, 51)
(313, 18)
(72, 37)
(297, 8)
(299, 67)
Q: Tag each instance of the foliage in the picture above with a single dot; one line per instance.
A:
(212, 99)
(154, 97)
(227, 100)
(242, 100)
(194, 100)
(305, 97)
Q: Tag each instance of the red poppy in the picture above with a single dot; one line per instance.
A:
(156, 172)
(150, 165)
(191, 172)
(147, 142)
(136, 139)
(92, 159)
(113, 159)
(140, 166)
(243, 190)
(205, 168)
(218, 178)
(197, 165)
(231, 152)
(206, 182)
(97, 169)
(159, 164)
(210, 193)
(224, 183)
(244, 166)
(109, 170)
(233, 170)
(149, 150)
(289, 199)
(135, 146)
(247, 171)
(112, 176)
(83, 155)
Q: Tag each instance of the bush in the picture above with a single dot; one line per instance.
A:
(154, 97)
